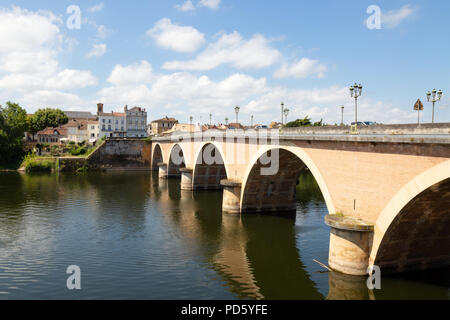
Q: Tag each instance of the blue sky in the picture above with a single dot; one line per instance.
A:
(182, 58)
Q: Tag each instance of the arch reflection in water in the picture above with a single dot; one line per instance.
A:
(157, 242)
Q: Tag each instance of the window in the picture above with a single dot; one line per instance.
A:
(109, 120)
(103, 127)
(109, 127)
(104, 120)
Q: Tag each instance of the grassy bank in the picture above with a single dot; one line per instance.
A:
(32, 163)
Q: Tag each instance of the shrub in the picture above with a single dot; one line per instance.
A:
(35, 164)
(78, 151)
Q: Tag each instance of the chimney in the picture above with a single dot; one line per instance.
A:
(125, 108)
(99, 108)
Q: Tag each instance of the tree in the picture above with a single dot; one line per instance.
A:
(13, 124)
(44, 118)
(305, 122)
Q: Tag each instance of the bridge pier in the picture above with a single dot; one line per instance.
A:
(186, 179)
(163, 170)
(350, 244)
(231, 196)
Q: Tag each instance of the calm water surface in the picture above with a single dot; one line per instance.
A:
(137, 237)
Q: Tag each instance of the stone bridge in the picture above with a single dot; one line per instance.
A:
(388, 195)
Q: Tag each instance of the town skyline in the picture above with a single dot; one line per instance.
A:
(193, 58)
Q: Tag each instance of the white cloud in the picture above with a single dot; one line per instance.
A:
(96, 8)
(97, 51)
(23, 30)
(184, 94)
(186, 6)
(69, 78)
(178, 38)
(53, 99)
(393, 18)
(181, 91)
(30, 43)
(231, 49)
(102, 32)
(132, 74)
(302, 69)
(211, 4)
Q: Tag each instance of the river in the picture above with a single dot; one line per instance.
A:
(137, 237)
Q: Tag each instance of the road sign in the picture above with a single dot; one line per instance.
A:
(418, 106)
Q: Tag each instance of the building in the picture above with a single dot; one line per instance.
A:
(80, 115)
(93, 131)
(161, 125)
(76, 130)
(52, 136)
(112, 124)
(183, 127)
(136, 119)
(275, 125)
(235, 126)
(82, 131)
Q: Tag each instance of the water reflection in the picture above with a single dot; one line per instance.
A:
(140, 237)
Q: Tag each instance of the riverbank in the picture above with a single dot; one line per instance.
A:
(112, 154)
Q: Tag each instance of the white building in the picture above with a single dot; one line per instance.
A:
(79, 131)
(111, 125)
(93, 130)
(136, 119)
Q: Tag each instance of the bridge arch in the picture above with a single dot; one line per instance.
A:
(157, 156)
(209, 167)
(176, 161)
(413, 230)
(276, 192)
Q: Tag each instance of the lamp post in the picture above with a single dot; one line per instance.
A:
(355, 92)
(226, 121)
(191, 118)
(282, 112)
(210, 119)
(286, 112)
(251, 122)
(432, 95)
(236, 109)
(342, 115)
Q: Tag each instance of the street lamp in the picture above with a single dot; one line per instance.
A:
(355, 92)
(191, 118)
(432, 95)
(286, 112)
(226, 121)
(236, 109)
(282, 112)
(251, 123)
(342, 115)
(210, 119)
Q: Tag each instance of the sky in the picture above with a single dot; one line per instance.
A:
(187, 58)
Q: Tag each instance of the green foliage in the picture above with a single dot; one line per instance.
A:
(13, 124)
(44, 118)
(31, 163)
(305, 122)
(78, 151)
(83, 169)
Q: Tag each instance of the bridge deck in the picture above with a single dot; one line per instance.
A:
(386, 138)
